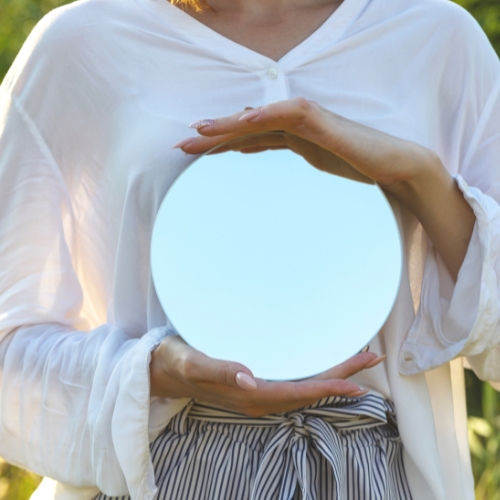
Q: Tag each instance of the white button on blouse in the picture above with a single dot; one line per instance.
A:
(272, 73)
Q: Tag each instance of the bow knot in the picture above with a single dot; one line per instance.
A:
(284, 464)
(298, 421)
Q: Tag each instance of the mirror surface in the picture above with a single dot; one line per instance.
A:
(265, 260)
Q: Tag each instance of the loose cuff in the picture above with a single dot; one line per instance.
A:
(466, 323)
(123, 466)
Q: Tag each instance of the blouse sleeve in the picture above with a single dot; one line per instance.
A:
(463, 320)
(74, 400)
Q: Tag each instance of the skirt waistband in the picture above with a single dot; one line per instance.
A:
(342, 413)
(320, 428)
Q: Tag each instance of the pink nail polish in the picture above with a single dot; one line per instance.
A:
(201, 124)
(183, 143)
(245, 381)
(251, 115)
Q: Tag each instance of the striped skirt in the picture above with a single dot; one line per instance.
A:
(336, 449)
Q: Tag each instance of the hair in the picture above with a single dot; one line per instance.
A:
(196, 5)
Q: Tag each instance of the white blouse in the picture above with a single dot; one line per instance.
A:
(88, 113)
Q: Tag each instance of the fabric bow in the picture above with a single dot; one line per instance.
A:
(285, 459)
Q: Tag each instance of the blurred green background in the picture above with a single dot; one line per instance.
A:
(17, 18)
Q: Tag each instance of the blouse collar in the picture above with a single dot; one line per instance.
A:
(191, 30)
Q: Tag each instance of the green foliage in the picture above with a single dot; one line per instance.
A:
(16, 484)
(17, 18)
(484, 441)
(487, 13)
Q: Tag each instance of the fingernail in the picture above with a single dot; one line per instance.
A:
(201, 124)
(250, 115)
(351, 389)
(245, 381)
(183, 143)
(376, 361)
(357, 394)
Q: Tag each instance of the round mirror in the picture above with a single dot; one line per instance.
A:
(265, 260)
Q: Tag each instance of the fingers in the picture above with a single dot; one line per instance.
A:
(357, 363)
(257, 149)
(199, 145)
(284, 396)
(376, 362)
(225, 124)
(276, 397)
(282, 115)
(298, 392)
(253, 143)
(231, 142)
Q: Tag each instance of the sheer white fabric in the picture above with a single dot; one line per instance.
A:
(88, 115)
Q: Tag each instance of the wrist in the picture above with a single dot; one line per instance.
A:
(156, 373)
(165, 379)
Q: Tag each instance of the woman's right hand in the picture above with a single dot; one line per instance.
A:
(180, 371)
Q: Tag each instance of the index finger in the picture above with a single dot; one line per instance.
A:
(351, 366)
(283, 115)
(275, 397)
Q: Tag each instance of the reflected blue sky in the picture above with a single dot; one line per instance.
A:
(264, 260)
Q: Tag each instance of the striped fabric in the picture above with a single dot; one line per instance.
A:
(336, 449)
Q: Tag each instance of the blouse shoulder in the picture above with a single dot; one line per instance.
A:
(454, 26)
(439, 32)
(82, 17)
(60, 26)
(455, 48)
(70, 42)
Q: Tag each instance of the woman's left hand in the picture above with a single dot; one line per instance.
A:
(326, 140)
(412, 173)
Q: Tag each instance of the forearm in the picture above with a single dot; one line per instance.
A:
(435, 199)
(415, 176)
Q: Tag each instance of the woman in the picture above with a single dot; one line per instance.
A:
(405, 93)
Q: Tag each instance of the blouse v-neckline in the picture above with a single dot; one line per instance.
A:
(205, 37)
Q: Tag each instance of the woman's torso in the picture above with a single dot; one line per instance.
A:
(145, 70)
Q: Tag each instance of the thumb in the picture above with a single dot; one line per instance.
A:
(194, 367)
(228, 373)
